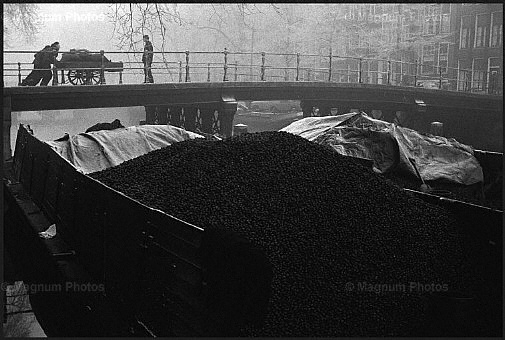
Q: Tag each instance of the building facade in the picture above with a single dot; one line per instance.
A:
(418, 37)
(450, 45)
(479, 47)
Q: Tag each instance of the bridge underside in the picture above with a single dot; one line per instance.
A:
(94, 96)
(474, 119)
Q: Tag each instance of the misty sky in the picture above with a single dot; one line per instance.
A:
(86, 26)
(73, 25)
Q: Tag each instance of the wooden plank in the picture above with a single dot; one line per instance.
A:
(482, 222)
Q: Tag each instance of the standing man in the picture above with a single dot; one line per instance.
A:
(42, 66)
(147, 59)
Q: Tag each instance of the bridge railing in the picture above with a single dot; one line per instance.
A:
(217, 66)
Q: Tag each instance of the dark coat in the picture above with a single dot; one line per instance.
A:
(147, 57)
(44, 58)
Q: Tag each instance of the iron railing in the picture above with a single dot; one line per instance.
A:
(217, 66)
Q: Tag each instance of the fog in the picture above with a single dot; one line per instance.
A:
(390, 31)
(82, 26)
(73, 25)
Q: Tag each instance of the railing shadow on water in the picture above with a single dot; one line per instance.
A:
(222, 66)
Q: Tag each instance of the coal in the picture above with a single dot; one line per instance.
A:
(352, 254)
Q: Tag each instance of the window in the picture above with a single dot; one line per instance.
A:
(436, 24)
(428, 64)
(482, 22)
(495, 76)
(432, 18)
(464, 75)
(392, 32)
(363, 41)
(465, 32)
(428, 26)
(378, 9)
(479, 67)
(443, 56)
(480, 36)
(354, 40)
(404, 30)
(428, 53)
(446, 23)
(496, 29)
(465, 36)
(496, 39)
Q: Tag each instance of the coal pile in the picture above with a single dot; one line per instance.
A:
(352, 254)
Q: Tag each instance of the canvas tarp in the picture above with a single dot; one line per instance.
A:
(99, 150)
(390, 146)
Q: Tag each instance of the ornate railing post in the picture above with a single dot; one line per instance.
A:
(486, 83)
(491, 83)
(360, 70)
(235, 70)
(469, 83)
(19, 74)
(187, 67)
(55, 72)
(180, 71)
(102, 65)
(401, 72)
(297, 66)
(225, 64)
(458, 81)
(329, 66)
(262, 66)
(440, 77)
(120, 77)
(415, 74)
(208, 72)
(389, 72)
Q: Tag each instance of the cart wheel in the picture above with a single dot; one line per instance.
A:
(76, 77)
(92, 77)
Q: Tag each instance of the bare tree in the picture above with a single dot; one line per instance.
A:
(134, 20)
(221, 24)
(21, 19)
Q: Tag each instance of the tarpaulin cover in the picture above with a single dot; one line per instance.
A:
(99, 150)
(390, 146)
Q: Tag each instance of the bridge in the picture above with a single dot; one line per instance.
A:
(208, 100)
(193, 102)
